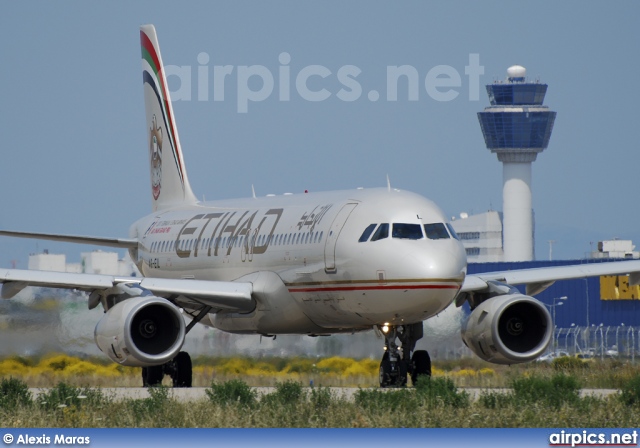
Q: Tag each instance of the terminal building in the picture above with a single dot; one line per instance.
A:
(481, 235)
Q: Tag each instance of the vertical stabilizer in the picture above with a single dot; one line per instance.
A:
(169, 183)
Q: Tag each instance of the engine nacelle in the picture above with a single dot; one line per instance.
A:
(508, 329)
(141, 332)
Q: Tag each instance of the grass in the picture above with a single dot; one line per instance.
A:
(541, 395)
(533, 402)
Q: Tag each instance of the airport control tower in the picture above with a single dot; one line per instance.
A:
(517, 127)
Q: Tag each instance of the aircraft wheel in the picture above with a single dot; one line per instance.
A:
(421, 365)
(385, 371)
(152, 376)
(183, 374)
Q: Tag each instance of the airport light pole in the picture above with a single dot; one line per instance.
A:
(557, 301)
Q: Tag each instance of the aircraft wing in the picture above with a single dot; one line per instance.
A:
(233, 296)
(539, 279)
(124, 243)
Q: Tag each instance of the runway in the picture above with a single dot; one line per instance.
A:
(347, 393)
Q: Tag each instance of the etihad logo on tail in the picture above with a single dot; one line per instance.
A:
(155, 156)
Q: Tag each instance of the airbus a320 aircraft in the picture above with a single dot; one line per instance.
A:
(311, 264)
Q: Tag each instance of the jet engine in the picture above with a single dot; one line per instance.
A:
(508, 329)
(141, 332)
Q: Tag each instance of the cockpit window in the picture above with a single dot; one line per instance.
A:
(381, 233)
(452, 232)
(407, 231)
(367, 233)
(436, 231)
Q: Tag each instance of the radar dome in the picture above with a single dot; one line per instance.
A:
(516, 71)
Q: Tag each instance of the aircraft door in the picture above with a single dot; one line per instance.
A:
(334, 233)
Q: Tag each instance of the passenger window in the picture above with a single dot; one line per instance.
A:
(453, 232)
(321, 234)
(407, 231)
(436, 231)
(381, 233)
(367, 233)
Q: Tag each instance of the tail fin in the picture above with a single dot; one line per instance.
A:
(169, 182)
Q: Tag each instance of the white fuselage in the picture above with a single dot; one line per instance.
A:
(331, 281)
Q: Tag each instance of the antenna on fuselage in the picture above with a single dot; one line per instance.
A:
(253, 191)
(388, 183)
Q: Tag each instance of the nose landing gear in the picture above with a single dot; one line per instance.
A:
(398, 361)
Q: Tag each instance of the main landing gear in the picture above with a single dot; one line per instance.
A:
(179, 369)
(400, 361)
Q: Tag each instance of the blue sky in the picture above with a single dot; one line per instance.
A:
(74, 149)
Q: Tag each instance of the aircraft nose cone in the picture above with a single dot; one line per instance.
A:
(445, 260)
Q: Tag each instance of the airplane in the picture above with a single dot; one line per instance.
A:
(310, 264)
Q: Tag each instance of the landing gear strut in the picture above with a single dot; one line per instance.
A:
(398, 361)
